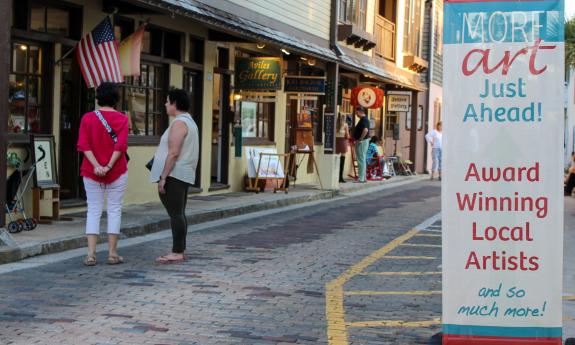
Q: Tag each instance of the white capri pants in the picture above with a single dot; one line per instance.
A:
(96, 193)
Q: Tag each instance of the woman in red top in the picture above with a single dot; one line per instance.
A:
(104, 142)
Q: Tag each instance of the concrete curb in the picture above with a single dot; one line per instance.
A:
(13, 254)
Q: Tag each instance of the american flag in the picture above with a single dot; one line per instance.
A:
(97, 55)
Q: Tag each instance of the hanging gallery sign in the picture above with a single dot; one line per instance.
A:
(258, 73)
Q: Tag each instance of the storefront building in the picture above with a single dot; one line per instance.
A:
(200, 48)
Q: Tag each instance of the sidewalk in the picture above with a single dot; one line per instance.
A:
(139, 220)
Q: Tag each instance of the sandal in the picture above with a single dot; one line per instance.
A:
(90, 260)
(115, 260)
(166, 259)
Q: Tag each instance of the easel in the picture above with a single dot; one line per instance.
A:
(253, 182)
(298, 163)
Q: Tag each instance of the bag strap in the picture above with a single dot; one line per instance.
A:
(108, 128)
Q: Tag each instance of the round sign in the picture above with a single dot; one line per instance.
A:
(366, 97)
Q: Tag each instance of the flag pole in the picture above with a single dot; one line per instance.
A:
(72, 49)
(65, 56)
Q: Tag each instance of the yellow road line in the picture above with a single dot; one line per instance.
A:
(394, 323)
(428, 235)
(409, 257)
(335, 313)
(421, 245)
(391, 293)
(400, 273)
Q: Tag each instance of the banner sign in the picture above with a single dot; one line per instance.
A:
(502, 201)
(261, 73)
(367, 97)
(298, 84)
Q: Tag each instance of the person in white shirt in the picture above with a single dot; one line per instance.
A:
(174, 169)
(434, 139)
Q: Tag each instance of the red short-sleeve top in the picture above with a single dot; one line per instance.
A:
(94, 137)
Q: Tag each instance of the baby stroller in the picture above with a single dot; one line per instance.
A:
(15, 196)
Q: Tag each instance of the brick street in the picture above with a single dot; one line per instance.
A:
(274, 279)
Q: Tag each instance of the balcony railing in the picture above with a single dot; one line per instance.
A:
(384, 38)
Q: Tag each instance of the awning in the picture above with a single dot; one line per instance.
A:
(379, 73)
(232, 24)
(235, 25)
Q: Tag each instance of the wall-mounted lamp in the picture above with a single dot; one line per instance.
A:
(237, 97)
(260, 45)
(311, 62)
(23, 47)
(285, 52)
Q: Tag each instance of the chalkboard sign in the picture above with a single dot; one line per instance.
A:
(329, 130)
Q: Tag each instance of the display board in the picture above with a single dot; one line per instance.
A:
(502, 201)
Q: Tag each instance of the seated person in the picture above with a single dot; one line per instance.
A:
(373, 155)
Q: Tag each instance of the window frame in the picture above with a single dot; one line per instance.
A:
(75, 17)
(162, 56)
(45, 79)
(343, 10)
(412, 27)
(160, 121)
(389, 124)
(354, 12)
(261, 140)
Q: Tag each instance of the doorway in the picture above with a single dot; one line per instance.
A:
(193, 86)
(71, 185)
(220, 131)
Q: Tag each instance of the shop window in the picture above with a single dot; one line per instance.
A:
(257, 120)
(162, 43)
(143, 99)
(376, 118)
(391, 120)
(196, 53)
(26, 85)
(223, 58)
(193, 85)
(123, 27)
(52, 18)
(310, 109)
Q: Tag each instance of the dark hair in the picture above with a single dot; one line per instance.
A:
(180, 97)
(374, 139)
(107, 94)
(362, 109)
